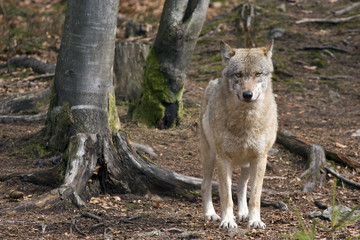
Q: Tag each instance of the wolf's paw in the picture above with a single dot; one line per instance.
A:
(228, 224)
(243, 217)
(257, 224)
(212, 217)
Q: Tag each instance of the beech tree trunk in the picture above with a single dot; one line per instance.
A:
(160, 104)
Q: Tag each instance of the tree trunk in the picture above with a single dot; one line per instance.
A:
(160, 104)
(82, 108)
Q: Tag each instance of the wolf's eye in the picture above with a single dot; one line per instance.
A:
(258, 74)
(238, 75)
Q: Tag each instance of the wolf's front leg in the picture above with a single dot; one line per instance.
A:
(226, 202)
(257, 172)
(243, 211)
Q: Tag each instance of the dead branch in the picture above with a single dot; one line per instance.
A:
(28, 101)
(23, 118)
(90, 215)
(323, 47)
(327, 20)
(329, 77)
(93, 227)
(341, 178)
(30, 62)
(347, 9)
(299, 146)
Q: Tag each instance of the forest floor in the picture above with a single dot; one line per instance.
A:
(317, 92)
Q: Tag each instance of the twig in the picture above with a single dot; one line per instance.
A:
(73, 225)
(130, 219)
(90, 215)
(275, 177)
(93, 227)
(323, 47)
(341, 178)
(48, 75)
(327, 20)
(347, 9)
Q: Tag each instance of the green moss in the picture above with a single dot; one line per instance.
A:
(155, 93)
(35, 149)
(61, 124)
(113, 117)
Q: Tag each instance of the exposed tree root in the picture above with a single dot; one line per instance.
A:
(114, 166)
(299, 146)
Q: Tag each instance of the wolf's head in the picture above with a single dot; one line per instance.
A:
(247, 70)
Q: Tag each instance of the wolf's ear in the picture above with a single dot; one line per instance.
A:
(226, 51)
(268, 49)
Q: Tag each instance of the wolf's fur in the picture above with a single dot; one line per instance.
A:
(238, 128)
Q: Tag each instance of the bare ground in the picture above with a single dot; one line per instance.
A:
(312, 102)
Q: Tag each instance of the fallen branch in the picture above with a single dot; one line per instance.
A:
(299, 146)
(28, 102)
(90, 215)
(323, 47)
(347, 9)
(23, 118)
(341, 178)
(30, 62)
(327, 20)
(329, 77)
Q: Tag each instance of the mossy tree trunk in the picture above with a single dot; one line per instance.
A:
(160, 104)
(83, 122)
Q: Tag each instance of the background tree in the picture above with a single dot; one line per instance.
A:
(161, 103)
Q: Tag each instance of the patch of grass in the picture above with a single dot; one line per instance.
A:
(337, 222)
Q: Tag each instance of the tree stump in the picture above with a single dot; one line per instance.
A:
(129, 65)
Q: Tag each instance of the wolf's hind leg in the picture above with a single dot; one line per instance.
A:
(208, 164)
(243, 211)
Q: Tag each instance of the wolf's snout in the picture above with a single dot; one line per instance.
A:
(247, 95)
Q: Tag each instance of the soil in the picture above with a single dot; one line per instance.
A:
(317, 96)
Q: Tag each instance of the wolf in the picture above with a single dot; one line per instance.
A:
(238, 125)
